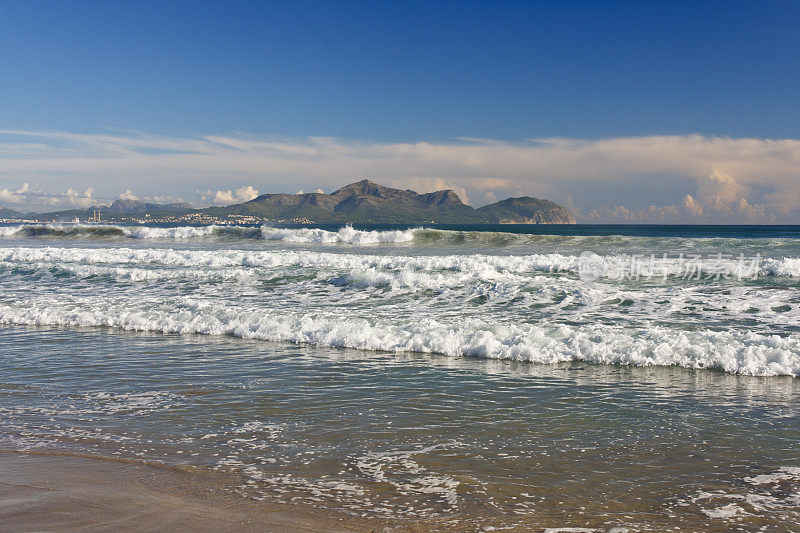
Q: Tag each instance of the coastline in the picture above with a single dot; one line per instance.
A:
(50, 491)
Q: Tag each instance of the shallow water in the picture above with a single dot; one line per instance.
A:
(421, 377)
(455, 443)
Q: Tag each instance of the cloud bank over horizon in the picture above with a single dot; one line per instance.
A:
(647, 179)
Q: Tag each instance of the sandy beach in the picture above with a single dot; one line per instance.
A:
(57, 492)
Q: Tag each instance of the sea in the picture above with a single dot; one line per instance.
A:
(476, 378)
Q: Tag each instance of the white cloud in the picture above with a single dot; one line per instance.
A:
(128, 195)
(15, 196)
(73, 198)
(626, 178)
(692, 206)
(719, 188)
(718, 198)
(242, 194)
(245, 194)
(159, 199)
(28, 196)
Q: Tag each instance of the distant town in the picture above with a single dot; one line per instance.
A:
(189, 219)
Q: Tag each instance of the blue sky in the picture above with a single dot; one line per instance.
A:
(397, 74)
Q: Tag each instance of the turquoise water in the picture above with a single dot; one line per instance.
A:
(465, 379)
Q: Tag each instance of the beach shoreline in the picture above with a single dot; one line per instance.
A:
(431, 380)
(48, 491)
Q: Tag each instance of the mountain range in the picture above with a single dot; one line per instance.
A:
(6, 213)
(369, 202)
(363, 202)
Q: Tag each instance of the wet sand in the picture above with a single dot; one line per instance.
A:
(53, 492)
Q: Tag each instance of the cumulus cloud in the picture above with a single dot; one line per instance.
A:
(718, 198)
(15, 196)
(692, 206)
(161, 199)
(27, 196)
(73, 198)
(128, 195)
(242, 194)
(719, 187)
(649, 178)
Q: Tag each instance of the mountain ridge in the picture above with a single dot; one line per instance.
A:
(368, 202)
(6, 213)
(361, 202)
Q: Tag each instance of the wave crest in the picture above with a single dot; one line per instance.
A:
(738, 352)
(612, 267)
(345, 235)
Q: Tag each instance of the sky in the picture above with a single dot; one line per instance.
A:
(647, 112)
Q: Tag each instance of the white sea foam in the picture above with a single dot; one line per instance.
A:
(397, 289)
(431, 238)
(401, 470)
(345, 235)
(740, 352)
(783, 474)
(9, 231)
(220, 258)
(724, 512)
(181, 232)
(139, 402)
(554, 262)
(131, 273)
(776, 494)
(530, 307)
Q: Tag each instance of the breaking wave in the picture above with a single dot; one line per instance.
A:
(738, 352)
(420, 236)
(536, 302)
(346, 235)
(611, 267)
